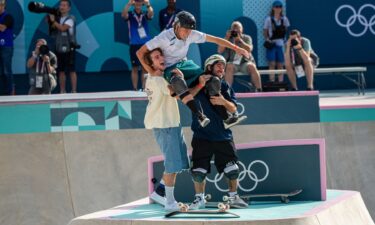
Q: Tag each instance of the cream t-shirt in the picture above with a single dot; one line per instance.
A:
(162, 109)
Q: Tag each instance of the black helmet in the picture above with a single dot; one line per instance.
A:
(186, 20)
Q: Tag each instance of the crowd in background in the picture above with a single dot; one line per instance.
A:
(50, 67)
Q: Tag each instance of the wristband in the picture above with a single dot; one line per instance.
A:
(200, 85)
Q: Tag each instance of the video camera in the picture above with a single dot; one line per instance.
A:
(39, 7)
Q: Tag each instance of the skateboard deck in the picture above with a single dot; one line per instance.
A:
(283, 196)
(203, 212)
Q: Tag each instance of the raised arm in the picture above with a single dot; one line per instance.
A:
(141, 54)
(125, 11)
(227, 44)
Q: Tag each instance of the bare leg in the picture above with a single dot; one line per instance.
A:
(143, 72)
(135, 77)
(62, 80)
(291, 73)
(229, 72)
(255, 76)
(73, 81)
(199, 187)
(271, 66)
(280, 77)
(232, 185)
(169, 179)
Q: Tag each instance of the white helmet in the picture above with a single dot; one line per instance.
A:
(214, 59)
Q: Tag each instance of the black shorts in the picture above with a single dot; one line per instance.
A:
(133, 56)
(66, 62)
(203, 150)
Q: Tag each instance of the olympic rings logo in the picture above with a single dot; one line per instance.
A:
(245, 171)
(367, 24)
(242, 111)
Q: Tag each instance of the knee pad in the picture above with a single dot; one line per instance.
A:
(198, 174)
(231, 170)
(179, 85)
(213, 86)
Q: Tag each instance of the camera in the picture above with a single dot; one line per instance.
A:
(294, 42)
(43, 50)
(74, 46)
(233, 33)
(39, 7)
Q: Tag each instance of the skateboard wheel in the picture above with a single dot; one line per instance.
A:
(208, 196)
(225, 198)
(221, 206)
(180, 204)
(285, 199)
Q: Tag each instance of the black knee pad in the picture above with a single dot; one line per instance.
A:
(179, 85)
(198, 174)
(231, 170)
(213, 86)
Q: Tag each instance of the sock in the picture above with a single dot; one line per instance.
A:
(160, 190)
(169, 194)
(193, 106)
(231, 194)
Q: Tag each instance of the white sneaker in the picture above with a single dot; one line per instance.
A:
(155, 197)
(198, 203)
(237, 202)
(172, 207)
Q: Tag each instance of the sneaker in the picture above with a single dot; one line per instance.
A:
(203, 120)
(172, 207)
(198, 203)
(157, 198)
(237, 202)
(232, 121)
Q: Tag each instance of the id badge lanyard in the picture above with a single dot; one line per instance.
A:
(141, 30)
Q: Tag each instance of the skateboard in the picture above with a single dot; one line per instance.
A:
(184, 209)
(284, 197)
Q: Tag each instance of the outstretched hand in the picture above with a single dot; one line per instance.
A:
(242, 52)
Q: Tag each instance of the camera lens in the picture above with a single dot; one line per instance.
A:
(43, 50)
(293, 42)
(234, 33)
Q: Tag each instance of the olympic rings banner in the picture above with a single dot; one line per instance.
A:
(341, 31)
(265, 167)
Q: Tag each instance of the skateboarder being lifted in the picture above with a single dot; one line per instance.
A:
(162, 115)
(175, 43)
(214, 139)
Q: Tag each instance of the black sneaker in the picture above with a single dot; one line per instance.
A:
(232, 121)
(203, 120)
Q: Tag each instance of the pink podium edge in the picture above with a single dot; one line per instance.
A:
(260, 144)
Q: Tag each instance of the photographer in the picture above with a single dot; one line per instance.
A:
(65, 45)
(300, 59)
(42, 65)
(235, 61)
(137, 20)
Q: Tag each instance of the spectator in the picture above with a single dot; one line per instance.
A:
(214, 140)
(236, 62)
(175, 43)
(167, 15)
(138, 34)
(163, 117)
(6, 50)
(65, 45)
(274, 31)
(42, 69)
(300, 59)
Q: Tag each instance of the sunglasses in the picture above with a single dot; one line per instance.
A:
(278, 6)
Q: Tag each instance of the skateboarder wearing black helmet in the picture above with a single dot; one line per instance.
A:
(175, 44)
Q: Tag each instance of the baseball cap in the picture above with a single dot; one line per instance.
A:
(277, 3)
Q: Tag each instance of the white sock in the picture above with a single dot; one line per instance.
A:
(169, 194)
(231, 194)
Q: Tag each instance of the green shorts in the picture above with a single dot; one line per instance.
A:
(190, 70)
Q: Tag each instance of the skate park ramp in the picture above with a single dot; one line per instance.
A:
(67, 157)
(341, 207)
